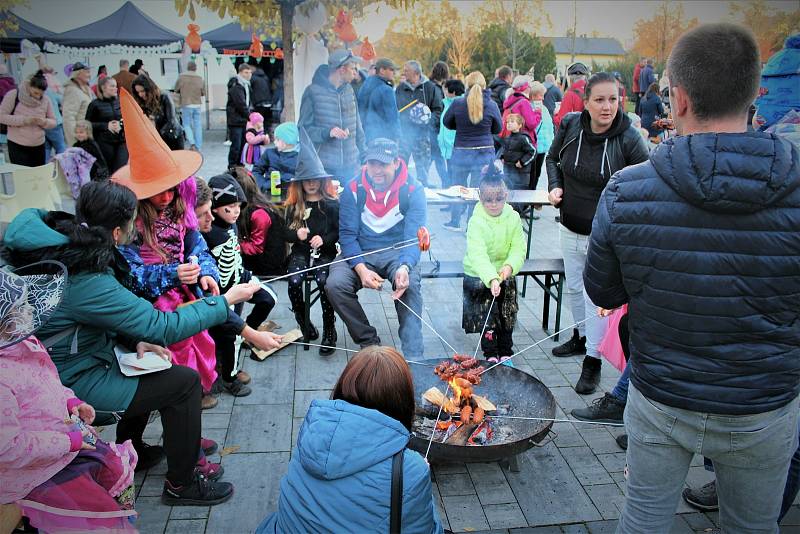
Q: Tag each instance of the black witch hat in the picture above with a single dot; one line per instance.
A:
(309, 167)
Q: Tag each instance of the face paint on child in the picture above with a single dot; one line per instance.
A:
(229, 213)
(162, 200)
(311, 188)
(493, 200)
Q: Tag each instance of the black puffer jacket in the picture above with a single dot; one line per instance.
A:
(581, 163)
(703, 241)
(100, 112)
(236, 109)
(259, 85)
(325, 107)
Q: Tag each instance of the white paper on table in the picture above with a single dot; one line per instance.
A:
(131, 365)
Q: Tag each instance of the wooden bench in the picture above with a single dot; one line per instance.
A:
(548, 273)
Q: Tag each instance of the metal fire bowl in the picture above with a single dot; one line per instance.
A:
(503, 385)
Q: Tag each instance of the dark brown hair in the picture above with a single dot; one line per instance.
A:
(378, 378)
(255, 200)
(718, 67)
(203, 192)
(440, 72)
(151, 105)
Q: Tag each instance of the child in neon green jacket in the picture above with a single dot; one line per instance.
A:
(495, 253)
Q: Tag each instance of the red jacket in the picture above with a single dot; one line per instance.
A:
(573, 101)
(636, 71)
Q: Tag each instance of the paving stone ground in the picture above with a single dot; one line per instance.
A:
(573, 484)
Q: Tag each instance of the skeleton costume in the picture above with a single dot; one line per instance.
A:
(223, 242)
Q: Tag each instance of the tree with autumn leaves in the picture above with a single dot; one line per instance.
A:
(497, 32)
(654, 37)
(260, 14)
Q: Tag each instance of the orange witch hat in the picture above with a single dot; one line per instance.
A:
(152, 167)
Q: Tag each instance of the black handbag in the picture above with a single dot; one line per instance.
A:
(172, 131)
(396, 506)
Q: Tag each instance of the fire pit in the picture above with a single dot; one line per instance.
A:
(513, 392)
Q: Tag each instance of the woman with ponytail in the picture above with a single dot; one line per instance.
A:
(27, 113)
(98, 313)
(475, 118)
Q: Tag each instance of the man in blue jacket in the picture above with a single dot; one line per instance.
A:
(377, 104)
(384, 206)
(329, 113)
(703, 243)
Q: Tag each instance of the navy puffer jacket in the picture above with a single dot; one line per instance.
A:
(703, 241)
(324, 107)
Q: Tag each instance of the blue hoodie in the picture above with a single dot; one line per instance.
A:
(340, 475)
(377, 107)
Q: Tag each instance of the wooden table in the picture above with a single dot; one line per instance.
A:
(516, 197)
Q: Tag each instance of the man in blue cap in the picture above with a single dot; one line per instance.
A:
(383, 206)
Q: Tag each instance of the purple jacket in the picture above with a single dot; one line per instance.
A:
(7, 83)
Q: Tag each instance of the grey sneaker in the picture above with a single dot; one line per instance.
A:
(606, 409)
(704, 498)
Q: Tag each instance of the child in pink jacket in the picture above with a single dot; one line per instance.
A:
(52, 465)
(256, 139)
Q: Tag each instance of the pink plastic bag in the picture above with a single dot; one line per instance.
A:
(611, 346)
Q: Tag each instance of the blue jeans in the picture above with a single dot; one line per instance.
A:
(342, 290)
(751, 456)
(192, 126)
(792, 484)
(54, 139)
(620, 390)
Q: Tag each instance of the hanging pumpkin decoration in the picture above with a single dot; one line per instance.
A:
(343, 27)
(365, 50)
(193, 39)
(256, 48)
(279, 53)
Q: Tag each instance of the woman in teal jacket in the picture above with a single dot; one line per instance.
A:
(340, 474)
(98, 312)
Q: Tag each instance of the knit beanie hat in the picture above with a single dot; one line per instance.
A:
(255, 118)
(288, 133)
(225, 190)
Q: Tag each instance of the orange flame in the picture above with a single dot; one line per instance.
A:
(457, 391)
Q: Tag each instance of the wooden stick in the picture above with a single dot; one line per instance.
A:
(408, 105)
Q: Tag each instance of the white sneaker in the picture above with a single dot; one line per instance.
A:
(227, 143)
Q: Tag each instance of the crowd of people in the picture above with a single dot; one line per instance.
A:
(688, 237)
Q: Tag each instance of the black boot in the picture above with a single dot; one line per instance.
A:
(312, 332)
(575, 345)
(328, 337)
(590, 376)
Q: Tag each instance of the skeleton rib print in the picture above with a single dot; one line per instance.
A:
(229, 260)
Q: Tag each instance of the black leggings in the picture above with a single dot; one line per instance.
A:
(298, 262)
(28, 156)
(175, 393)
(115, 154)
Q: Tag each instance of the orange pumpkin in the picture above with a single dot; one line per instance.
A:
(343, 27)
(193, 39)
(256, 47)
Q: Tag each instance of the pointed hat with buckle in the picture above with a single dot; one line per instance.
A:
(152, 167)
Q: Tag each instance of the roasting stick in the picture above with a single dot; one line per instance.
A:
(427, 324)
(570, 327)
(396, 246)
(483, 330)
(447, 390)
(350, 350)
(552, 419)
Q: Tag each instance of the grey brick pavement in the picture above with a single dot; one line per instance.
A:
(573, 484)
